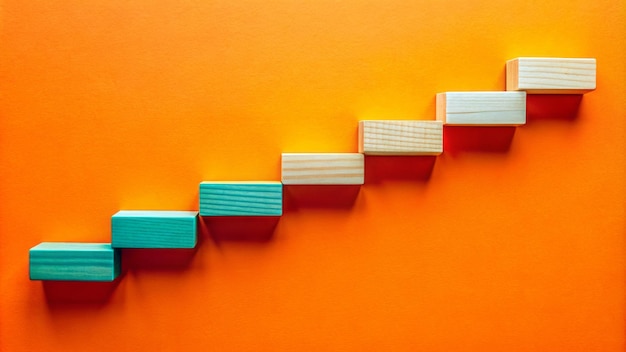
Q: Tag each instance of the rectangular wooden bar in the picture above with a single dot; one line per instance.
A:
(551, 75)
(154, 229)
(482, 108)
(241, 198)
(72, 261)
(400, 137)
(323, 169)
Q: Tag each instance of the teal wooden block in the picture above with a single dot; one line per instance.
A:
(154, 229)
(241, 198)
(66, 261)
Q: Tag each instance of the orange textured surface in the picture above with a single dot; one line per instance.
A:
(512, 240)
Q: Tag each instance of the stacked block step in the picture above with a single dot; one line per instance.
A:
(241, 198)
(482, 108)
(389, 137)
(65, 261)
(154, 229)
(541, 75)
(323, 169)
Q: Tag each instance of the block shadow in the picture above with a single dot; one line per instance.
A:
(496, 139)
(78, 293)
(319, 196)
(158, 259)
(379, 169)
(162, 259)
(557, 107)
(257, 229)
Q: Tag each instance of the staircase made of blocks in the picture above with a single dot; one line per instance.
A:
(65, 261)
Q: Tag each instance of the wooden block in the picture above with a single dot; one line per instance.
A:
(241, 198)
(551, 75)
(154, 229)
(482, 108)
(391, 137)
(74, 261)
(323, 168)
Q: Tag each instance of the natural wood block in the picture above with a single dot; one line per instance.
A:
(391, 137)
(551, 75)
(482, 108)
(154, 229)
(241, 198)
(74, 261)
(323, 168)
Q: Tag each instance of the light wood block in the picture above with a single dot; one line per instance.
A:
(154, 229)
(550, 75)
(391, 137)
(323, 169)
(241, 198)
(66, 261)
(482, 108)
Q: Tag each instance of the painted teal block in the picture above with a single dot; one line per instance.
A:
(154, 229)
(66, 261)
(241, 198)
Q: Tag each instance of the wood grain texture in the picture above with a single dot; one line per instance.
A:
(67, 261)
(482, 108)
(549, 75)
(390, 137)
(241, 198)
(154, 229)
(323, 168)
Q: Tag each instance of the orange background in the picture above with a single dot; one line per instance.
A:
(512, 240)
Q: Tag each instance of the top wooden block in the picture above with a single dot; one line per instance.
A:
(482, 108)
(323, 169)
(539, 75)
(394, 137)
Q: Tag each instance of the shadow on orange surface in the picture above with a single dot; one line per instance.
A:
(162, 259)
(560, 107)
(78, 293)
(319, 196)
(458, 139)
(158, 259)
(241, 228)
(379, 169)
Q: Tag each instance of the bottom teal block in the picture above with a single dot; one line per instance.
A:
(74, 261)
